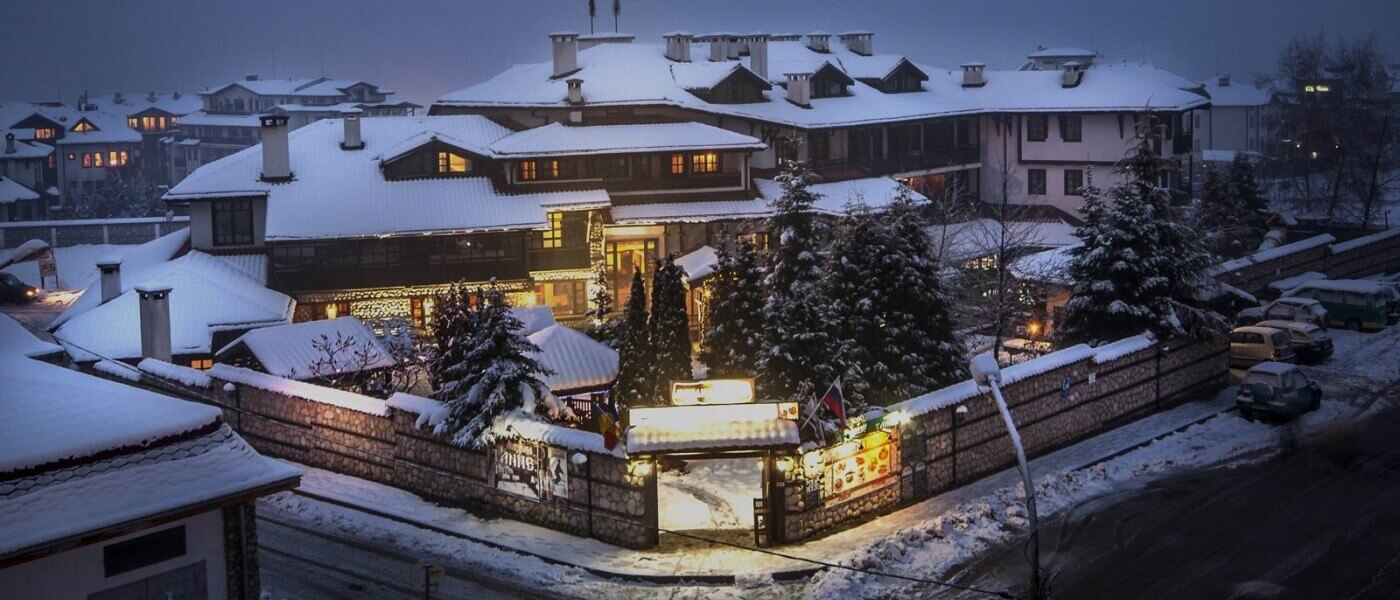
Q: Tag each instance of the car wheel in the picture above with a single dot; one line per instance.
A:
(1354, 325)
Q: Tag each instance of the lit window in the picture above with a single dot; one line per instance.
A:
(553, 169)
(83, 126)
(203, 364)
(421, 310)
(554, 236)
(337, 309)
(87, 159)
(677, 164)
(449, 162)
(705, 162)
(116, 158)
(527, 171)
(131, 122)
(43, 133)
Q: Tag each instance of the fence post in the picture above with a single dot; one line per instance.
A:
(106, 234)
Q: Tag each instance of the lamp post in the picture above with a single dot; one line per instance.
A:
(986, 372)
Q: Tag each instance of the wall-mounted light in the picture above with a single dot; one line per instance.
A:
(639, 468)
(784, 464)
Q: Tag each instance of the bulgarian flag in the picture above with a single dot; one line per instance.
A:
(608, 419)
(835, 401)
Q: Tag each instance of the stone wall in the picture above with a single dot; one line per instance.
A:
(241, 551)
(604, 500)
(1381, 255)
(943, 448)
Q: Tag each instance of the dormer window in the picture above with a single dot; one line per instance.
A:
(451, 162)
(528, 170)
(829, 82)
(83, 126)
(43, 133)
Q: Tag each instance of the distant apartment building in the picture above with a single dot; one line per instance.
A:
(156, 117)
(228, 119)
(26, 180)
(90, 149)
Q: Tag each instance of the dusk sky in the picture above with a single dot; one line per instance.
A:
(425, 48)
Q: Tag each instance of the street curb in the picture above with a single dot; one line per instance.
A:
(790, 575)
(1151, 440)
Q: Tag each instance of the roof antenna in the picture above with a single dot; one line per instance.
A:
(617, 12)
(592, 12)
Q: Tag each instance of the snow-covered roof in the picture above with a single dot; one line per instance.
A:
(25, 149)
(513, 424)
(299, 389)
(1060, 52)
(178, 373)
(1288, 283)
(207, 296)
(578, 361)
(132, 103)
(703, 434)
(1048, 266)
(202, 118)
(12, 191)
(293, 86)
(533, 318)
(969, 239)
(699, 263)
(136, 262)
(108, 129)
(640, 74)
(254, 264)
(1236, 93)
(50, 414)
(1273, 253)
(558, 139)
(292, 350)
(17, 339)
(876, 192)
(342, 194)
(1355, 286)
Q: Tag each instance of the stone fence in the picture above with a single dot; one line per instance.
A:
(59, 234)
(1375, 253)
(955, 435)
(394, 444)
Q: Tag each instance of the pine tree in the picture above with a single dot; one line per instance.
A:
(733, 341)
(1138, 269)
(634, 353)
(1217, 217)
(796, 359)
(496, 374)
(670, 327)
(1253, 208)
(600, 302)
(450, 327)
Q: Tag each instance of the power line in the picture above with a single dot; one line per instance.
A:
(161, 382)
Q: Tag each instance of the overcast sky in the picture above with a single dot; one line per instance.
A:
(423, 48)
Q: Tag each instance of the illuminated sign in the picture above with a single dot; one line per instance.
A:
(856, 464)
(712, 391)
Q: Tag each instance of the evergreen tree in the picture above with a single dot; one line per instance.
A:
(670, 327)
(450, 327)
(635, 359)
(733, 341)
(855, 302)
(919, 321)
(497, 372)
(1138, 269)
(1217, 217)
(600, 302)
(1253, 208)
(796, 357)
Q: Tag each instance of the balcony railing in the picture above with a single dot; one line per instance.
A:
(934, 159)
(559, 259)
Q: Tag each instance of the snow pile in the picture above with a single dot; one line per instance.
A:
(519, 424)
(430, 412)
(300, 389)
(304, 350)
(178, 373)
(1119, 349)
(1365, 240)
(966, 390)
(699, 264)
(1288, 283)
(116, 369)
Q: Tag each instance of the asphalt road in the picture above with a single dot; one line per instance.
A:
(1322, 521)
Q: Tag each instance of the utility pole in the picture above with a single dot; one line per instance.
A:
(432, 574)
(985, 371)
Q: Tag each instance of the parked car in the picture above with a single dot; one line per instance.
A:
(1311, 343)
(1252, 345)
(1353, 303)
(1287, 308)
(1279, 389)
(15, 291)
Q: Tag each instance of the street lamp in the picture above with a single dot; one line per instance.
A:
(986, 372)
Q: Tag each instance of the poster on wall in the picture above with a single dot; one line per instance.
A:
(557, 473)
(516, 469)
(859, 463)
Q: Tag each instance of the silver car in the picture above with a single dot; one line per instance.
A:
(1278, 389)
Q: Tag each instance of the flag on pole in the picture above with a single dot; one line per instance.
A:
(835, 401)
(608, 419)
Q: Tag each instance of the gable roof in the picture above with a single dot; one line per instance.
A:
(298, 350)
(134, 103)
(558, 139)
(579, 362)
(708, 75)
(1236, 93)
(11, 191)
(109, 129)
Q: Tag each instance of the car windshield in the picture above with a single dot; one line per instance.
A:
(9, 279)
(1254, 377)
(1280, 339)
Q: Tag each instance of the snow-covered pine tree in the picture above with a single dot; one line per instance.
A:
(635, 359)
(497, 373)
(1217, 218)
(1252, 206)
(670, 327)
(450, 326)
(796, 358)
(600, 307)
(734, 338)
(855, 302)
(1138, 268)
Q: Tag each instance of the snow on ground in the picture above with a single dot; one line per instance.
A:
(712, 494)
(77, 265)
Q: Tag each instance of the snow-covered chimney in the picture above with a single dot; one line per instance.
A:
(734, 47)
(151, 97)
(1071, 74)
(678, 45)
(575, 90)
(758, 53)
(859, 42)
(1225, 80)
(118, 98)
(10, 143)
(155, 320)
(276, 157)
(253, 77)
(719, 47)
(972, 74)
(565, 46)
(110, 270)
(799, 89)
(351, 139)
(819, 41)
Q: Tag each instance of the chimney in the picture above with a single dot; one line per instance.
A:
(733, 47)
(1225, 80)
(151, 97)
(352, 140)
(785, 37)
(10, 143)
(972, 74)
(276, 157)
(859, 42)
(117, 98)
(719, 47)
(1072, 74)
(175, 96)
(565, 46)
(575, 90)
(155, 320)
(758, 54)
(250, 78)
(799, 89)
(819, 41)
(678, 46)
(111, 278)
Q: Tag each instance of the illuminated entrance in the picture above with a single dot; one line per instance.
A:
(622, 257)
(735, 451)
